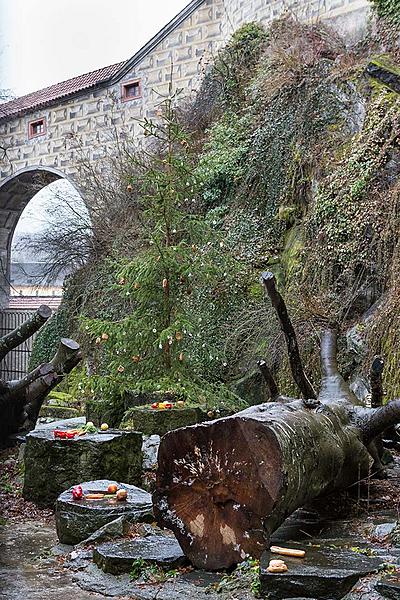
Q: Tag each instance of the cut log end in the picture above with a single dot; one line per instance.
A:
(70, 344)
(213, 494)
(44, 312)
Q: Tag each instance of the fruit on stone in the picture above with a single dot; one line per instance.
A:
(104, 427)
(77, 492)
(180, 403)
(161, 405)
(168, 404)
(112, 488)
(90, 424)
(122, 495)
(154, 405)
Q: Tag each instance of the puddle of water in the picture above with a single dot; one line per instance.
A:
(28, 571)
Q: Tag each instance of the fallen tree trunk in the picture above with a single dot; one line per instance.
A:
(21, 400)
(224, 486)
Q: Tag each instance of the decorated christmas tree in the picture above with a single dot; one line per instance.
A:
(181, 267)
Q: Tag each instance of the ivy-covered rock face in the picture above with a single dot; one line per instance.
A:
(287, 160)
(388, 9)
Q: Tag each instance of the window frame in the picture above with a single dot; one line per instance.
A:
(125, 85)
(31, 124)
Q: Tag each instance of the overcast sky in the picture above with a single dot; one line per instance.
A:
(47, 41)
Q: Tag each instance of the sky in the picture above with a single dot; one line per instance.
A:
(47, 41)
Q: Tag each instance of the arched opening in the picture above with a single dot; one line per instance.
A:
(16, 192)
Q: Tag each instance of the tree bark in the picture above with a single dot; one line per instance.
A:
(301, 379)
(224, 486)
(21, 400)
(375, 378)
(25, 331)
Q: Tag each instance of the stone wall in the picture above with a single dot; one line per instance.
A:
(85, 127)
(238, 12)
(91, 120)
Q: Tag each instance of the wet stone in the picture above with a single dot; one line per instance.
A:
(53, 465)
(383, 531)
(389, 587)
(190, 586)
(76, 520)
(326, 573)
(161, 550)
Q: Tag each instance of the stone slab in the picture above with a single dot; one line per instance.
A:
(326, 573)
(117, 557)
(76, 520)
(389, 587)
(53, 465)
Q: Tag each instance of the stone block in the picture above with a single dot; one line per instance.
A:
(158, 422)
(53, 465)
(77, 520)
(324, 573)
(157, 549)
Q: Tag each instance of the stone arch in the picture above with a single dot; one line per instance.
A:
(15, 193)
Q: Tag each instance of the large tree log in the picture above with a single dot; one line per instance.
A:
(21, 400)
(25, 331)
(223, 487)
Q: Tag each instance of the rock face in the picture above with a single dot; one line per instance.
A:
(117, 557)
(76, 520)
(53, 465)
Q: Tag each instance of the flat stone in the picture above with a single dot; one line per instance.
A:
(53, 465)
(383, 531)
(117, 557)
(190, 586)
(389, 587)
(76, 520)
(73, 423)
(326, 573)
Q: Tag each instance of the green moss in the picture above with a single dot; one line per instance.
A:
(386, 62)
(292, 253)
(388, 9)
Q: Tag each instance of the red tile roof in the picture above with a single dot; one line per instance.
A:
(42, 98)
(33, 302)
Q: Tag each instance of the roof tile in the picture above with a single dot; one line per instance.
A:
(48, 95)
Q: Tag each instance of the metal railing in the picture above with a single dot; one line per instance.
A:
(15, 364)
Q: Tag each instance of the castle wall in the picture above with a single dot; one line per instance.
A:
(90, 120)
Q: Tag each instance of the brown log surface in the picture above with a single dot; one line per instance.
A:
(224, 486)
(232, 481)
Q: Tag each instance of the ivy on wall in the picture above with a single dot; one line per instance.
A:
(388, 9)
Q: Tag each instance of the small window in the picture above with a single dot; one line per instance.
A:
(37, 128)
(131, 90)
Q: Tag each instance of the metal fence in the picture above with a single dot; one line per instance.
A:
(15, 364)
